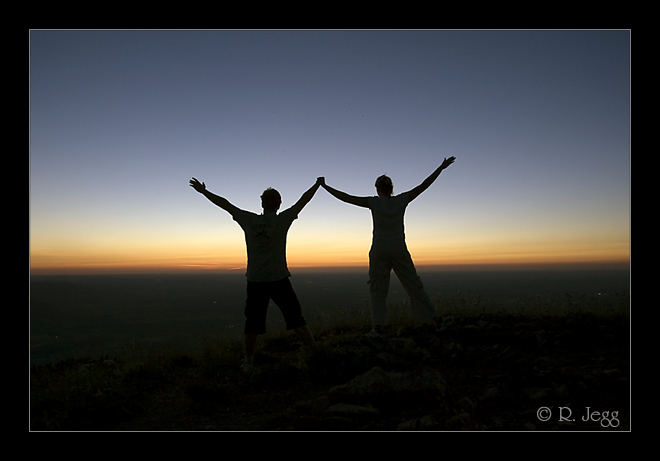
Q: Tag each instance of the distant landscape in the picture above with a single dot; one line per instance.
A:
(80, 315)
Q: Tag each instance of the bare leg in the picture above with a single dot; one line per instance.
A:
(307, 349)
(250, 347)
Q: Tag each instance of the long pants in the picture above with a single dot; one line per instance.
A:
(382, 260)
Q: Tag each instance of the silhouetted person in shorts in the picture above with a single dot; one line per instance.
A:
(267, 271)
(388, 248)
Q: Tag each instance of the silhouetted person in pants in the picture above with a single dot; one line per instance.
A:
(267, 271)
(388, 248)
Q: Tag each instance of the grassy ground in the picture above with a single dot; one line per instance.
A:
(463, 372)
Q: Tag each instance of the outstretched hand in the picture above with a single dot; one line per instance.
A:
(447, 162)
(198, 186)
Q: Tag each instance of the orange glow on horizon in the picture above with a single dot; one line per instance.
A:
(235, 260)
(317, 247)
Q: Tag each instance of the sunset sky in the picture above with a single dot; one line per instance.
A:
(120, 120)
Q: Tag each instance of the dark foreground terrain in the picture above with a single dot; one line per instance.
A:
(513, 372)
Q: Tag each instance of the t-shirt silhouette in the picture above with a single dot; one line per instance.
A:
(387, 214)
(265, 238)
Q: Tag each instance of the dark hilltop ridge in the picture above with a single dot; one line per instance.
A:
(474, 372)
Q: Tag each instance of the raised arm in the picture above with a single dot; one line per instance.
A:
(216, 199)
(307, 196)
(414, 193)
(344, 197)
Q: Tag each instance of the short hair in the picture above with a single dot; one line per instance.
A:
(271, 199)
(384, 184)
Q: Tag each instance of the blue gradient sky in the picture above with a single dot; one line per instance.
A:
(539, 122)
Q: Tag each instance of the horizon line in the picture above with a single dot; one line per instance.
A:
(201, 269)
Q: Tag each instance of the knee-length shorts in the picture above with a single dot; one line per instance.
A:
(256, 305)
